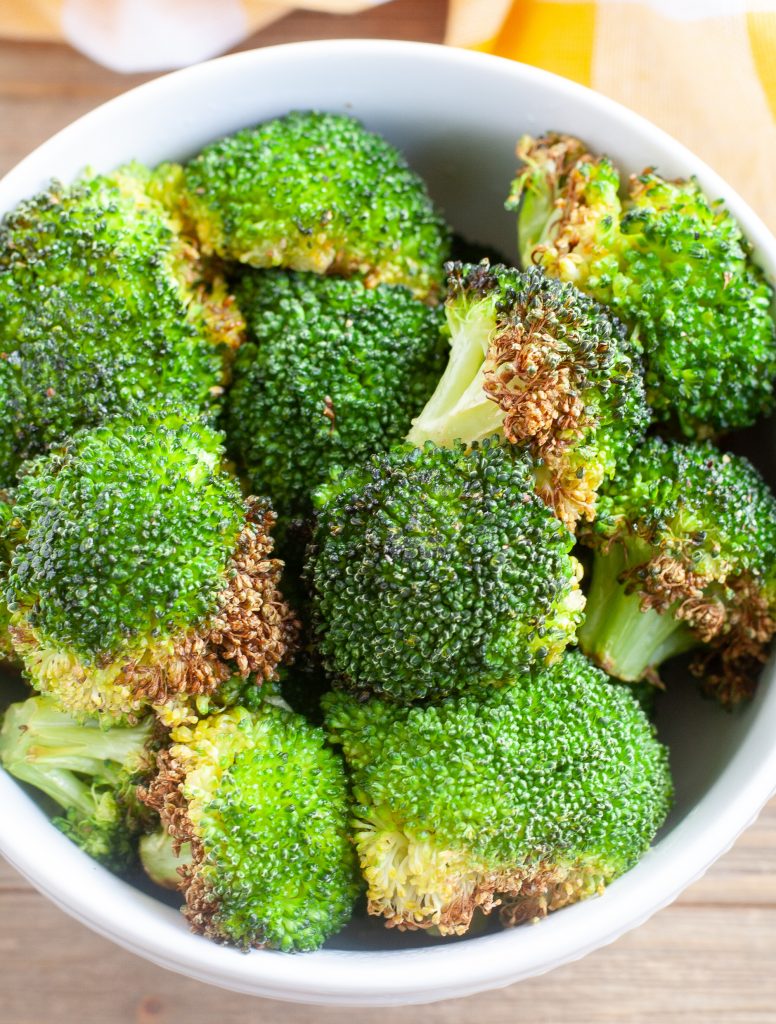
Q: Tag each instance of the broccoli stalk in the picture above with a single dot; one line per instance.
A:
(163, 858)
(540, 364)
(88, 770)
(626, 640)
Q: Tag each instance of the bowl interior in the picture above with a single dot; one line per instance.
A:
(456, 117)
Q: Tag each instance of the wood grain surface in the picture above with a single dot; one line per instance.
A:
(708, 959)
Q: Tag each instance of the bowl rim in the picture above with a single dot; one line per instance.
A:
(142, 925)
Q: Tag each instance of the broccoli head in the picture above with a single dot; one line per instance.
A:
(543, 365)
(335, 372)
(314, 191)
(668, 261)
(138, 575)
(684, 555)
(263, 803)
(531, 798)
(89, 771)
(433, 569)
(101, 304)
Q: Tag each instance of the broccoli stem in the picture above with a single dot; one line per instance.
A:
(625, 641)
(459, 409)
(159, 860)
(43, 746)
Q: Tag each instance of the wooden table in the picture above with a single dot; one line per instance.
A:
(711, 957)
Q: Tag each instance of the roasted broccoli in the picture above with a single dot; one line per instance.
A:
(536, 361)
(101, 304)
(685, 555)
(335, 372)
(264, 804)
(314, 191)
(672, 264)
(532, 797)
(138, 575)
(433, 569)
(91, 773)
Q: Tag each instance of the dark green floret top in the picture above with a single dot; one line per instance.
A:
(317, 191)
(101, 305)
(670, 262)
(539, 794)
(264, 803)
(123, 533)
(333, 372)
(436, 569)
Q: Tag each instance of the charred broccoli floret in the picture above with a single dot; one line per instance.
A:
(530, 798)
(672, 264)
(263, 803)
(539, 363)
(433, 569)
(138, 574)
(101, 304)
(685, 555)
(335, 372)
(314, 191)
(89, 771)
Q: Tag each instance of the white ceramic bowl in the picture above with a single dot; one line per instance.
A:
(456, 115)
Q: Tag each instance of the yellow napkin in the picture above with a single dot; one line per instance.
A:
(704, 70)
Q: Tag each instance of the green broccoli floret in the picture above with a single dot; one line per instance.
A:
(264, 804)
(536, 361)
(437, 568)
(101, 304)
(138, 574)
(685, 555)
(91, 773)
(314, 191)
(530, 798)
(672, 264)
(335, 372)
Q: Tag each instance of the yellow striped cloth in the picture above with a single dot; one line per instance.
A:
(704, 70)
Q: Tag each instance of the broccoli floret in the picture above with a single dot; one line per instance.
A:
(264, 804)
(314, 191)
(536, 361)
(530, 798)
(672, 264)
(685, 555)
(437, 568)
(101, 305)
(568, 210)
(335, 372)
(88, 770)
(138, 574)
